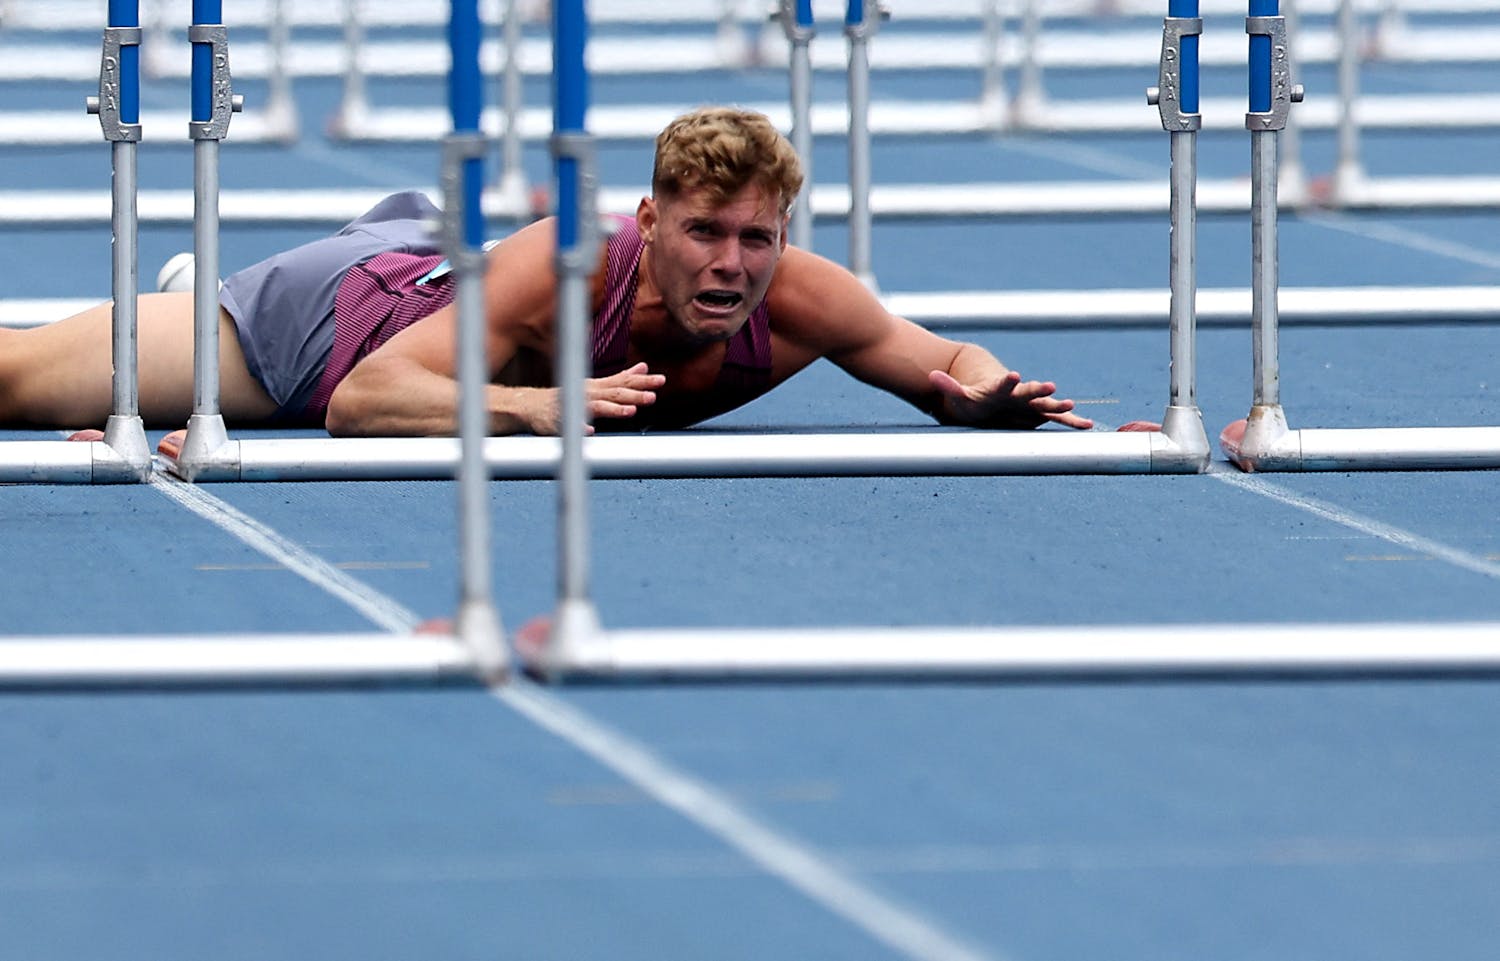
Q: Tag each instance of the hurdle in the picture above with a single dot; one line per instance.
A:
(1351, 186)
(123, 456)
(1264, 441)
(1181, 447)
(576, 646)
(474, 649)
(213, 103)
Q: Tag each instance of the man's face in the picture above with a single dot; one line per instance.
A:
(712, 264)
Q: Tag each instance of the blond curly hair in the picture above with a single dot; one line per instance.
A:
(722, 150)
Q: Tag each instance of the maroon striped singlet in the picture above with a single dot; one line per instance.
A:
(381, 297)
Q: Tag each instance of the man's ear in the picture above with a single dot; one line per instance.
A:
(646, 218)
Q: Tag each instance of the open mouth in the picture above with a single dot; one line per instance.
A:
(718, 300)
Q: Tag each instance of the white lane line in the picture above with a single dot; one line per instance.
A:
(801, 867)
(1404, 237)
(1358, 522)
(80, 874)
(893, 925)
(381, 610)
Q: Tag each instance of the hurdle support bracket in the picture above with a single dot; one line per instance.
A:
(107, 104)
(1167, 95)
(1284, 93)
(224, 102)
(581, 148)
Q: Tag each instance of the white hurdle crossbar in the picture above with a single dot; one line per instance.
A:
(1092, 309)
(927, 452)
(828, 202)
(1192, 651)
(231, 660)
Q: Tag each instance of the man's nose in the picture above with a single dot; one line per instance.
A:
(729, 259)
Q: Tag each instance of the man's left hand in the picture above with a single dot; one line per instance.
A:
(1005, 401)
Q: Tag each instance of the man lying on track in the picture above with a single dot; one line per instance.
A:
(699, 306)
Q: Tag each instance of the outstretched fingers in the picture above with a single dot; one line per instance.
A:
(1007, 401)
(622, 394)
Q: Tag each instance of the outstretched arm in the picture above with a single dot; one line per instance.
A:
(825, 311)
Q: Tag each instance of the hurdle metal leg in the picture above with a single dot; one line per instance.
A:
(796, 18)
(860, 23)
(123, 456)
(1029, 106)
(280, 115)
(478, 621)
(1176, 99)
(993, 103)
(511, 183)
(576, 620)
(1348, 172)
(353, 111)
(213, 103)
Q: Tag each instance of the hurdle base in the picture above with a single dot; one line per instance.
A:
(207, 453)
(478, 628)
(129, 457)
(1261, 441)
(575, 629)
(1265, 444)
(1190, 451)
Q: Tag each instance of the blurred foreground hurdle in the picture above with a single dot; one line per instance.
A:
(579, 646)
(477, 650)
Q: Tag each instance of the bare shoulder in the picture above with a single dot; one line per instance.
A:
(521, 283)
(819, 303)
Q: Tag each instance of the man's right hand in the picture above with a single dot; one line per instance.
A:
(618, 395)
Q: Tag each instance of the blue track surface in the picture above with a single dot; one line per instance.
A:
(1040, 822)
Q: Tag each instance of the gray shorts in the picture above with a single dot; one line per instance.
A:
(283, 306)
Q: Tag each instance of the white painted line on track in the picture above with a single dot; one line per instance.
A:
(1405, 237)
(381, 610)
(1366, 525)
(801, 867)
(893, 925)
